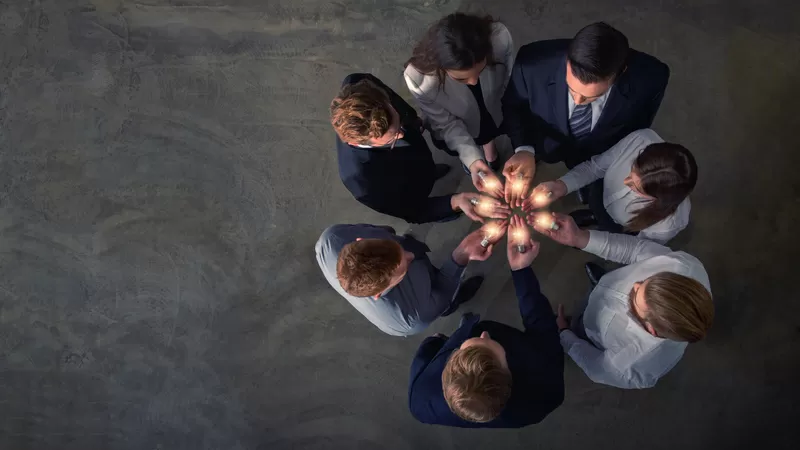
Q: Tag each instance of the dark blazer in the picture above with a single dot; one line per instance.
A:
(535, 103)
(534, 356)
(395, 181)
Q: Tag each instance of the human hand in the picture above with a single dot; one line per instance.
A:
(561, 320)
(477, 206)
(544, 194)
(488, 183)
(519, 171)
(470, 248)
(564, 232)
(518, 235)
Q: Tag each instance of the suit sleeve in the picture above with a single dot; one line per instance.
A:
(425, 353)
(516, 109)
(432, 209)
(537, 315)
(452, 129)
(655, 102)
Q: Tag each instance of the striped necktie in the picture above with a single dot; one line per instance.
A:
(580, 124)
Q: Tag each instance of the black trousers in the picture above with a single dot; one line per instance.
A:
(604, 220)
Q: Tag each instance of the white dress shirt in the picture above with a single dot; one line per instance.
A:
(624, 354)
(614, 165)
(597, 109)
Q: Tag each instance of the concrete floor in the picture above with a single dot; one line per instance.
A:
(166, 170)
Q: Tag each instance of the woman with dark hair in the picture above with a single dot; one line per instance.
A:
(644, 189)
(457, 74)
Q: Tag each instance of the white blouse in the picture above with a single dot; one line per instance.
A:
(614, 165)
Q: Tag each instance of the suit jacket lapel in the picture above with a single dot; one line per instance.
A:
(557, 93)
(616, 101)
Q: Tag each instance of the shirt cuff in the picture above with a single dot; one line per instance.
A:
(570, 182)
(469, 155)
(525, 148)
(568, 339)
(597, 241)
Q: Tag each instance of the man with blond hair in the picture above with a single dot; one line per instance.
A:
(389, 278)
(637, 320)
(385, 162)
(491, 375)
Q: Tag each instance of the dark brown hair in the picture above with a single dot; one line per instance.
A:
(456, 42)
(475, 384)
(678, 307)
(598, 52)
(360, 112)
(365, 267)
(668, 173)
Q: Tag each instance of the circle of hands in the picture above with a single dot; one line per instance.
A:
(511, 208)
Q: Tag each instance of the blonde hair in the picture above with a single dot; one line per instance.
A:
(364, 268)
(475, 384)
(678, 307)
(361, 112)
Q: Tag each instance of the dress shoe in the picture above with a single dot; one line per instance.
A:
(441, 170)
(583, 218)
(466, 291)
(594, 272)
(583, 195)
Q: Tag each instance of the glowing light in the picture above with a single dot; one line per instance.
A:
(546, 220)
(541, 198)
(490, 183)
(520, 237)
(489, 231)
(518, 185)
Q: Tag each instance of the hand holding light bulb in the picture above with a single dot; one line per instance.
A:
(477, 246)
(485, 180)
(560, 228)
(519, 170)
(544, 194)
(521, 249)
(477, 206)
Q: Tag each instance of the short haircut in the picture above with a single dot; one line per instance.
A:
(365, 267)
(597, 53)
(361, 111)
(475, 384)
(678, 307)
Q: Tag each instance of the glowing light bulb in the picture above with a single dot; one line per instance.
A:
(546, 220)
(489, 231)
(541, 197)
(490, 183)
(519, 184)
(520, 236)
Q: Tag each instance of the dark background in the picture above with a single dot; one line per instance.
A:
(166, 167)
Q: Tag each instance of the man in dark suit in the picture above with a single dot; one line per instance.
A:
(385, 162)
(491, 375)
(571, 99)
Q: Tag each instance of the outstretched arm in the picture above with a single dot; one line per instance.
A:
(537, 315)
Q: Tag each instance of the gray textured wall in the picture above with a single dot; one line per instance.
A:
(166, 167)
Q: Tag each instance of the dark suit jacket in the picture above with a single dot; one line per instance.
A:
(395, 181)
(535, 103)
(534, 356)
